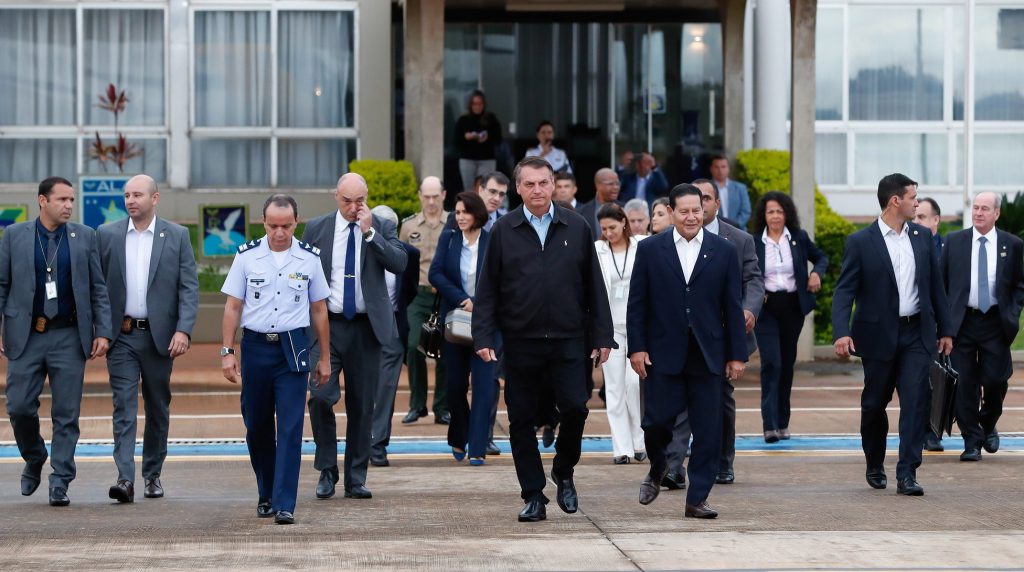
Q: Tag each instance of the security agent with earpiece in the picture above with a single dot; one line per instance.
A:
(276, 285)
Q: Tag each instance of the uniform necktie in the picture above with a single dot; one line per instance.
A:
(984, 301)
(50, 306)
(349, 289)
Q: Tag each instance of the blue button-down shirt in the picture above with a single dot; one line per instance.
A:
(541, 224)
(61, 272)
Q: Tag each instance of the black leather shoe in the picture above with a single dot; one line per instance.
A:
(284, 517)
(784, 434)
(59, 496)
(992, 442)
(971, 454)
(492, 449)
(640, 457)
(548, 439)
(771, 436)
(932, 443)
(414, 415)
(325, 486)
(650, 487)
(876, 478)
(909, 487)
(380, 460)
(31, 476)
(674, 481)
(702, 510)
(725, 478)
(154, 490)
(565, 494)
(443, 419)
(123, 491)
(264, 509)
(534, 511)
(358, 492)
(620, 460)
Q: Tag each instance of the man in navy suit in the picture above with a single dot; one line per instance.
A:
(647, 182)
(891, 272)
(733, 194)
(683, 351)
(983, 275)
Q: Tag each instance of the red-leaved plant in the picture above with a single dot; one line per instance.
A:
(121, 151)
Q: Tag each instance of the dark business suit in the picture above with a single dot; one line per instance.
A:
(588, 211)
(355, 345)
(392, 355)
(981, 349)
(779, 325)
(688, 343)
(657, 186)
(468, 424)
(895, 352)
(172, 303)
(58, 354)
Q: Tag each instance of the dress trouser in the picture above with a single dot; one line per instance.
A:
(622, 389)
(133, 356)
(907, 374)
(354, 349)
(468, 424)
(269, 387)
(418, 312)
(533, 367)
(982, 358)
(56, 354)
(391, 356)
(695, 390)
(778, 331)
(470, 169)
(677, 450)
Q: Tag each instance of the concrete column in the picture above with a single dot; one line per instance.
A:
(770, 62)
(733, 14)
(178, 81)
(801, 167)
(424, 86)
(374, 116)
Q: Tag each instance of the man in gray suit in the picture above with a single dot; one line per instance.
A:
(152, 325)
(355, 250)
(55, 316)
(753, 298)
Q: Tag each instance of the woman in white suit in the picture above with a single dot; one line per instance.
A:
(616, 251)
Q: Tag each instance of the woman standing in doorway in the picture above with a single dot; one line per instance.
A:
(477, 136)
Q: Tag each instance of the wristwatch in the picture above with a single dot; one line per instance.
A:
(227, 351)
(368, 235)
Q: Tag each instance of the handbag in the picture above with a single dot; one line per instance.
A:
(431, 332)
(458, 327)
(943, 380)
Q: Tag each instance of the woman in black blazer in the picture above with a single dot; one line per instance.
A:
(783, 250)
(454, 272)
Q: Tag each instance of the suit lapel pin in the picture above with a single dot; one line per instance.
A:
(72, 235)
(705, 256)
(793, 243)
(915, 233)
(567, 243)
(1002, 255)
(161, 235)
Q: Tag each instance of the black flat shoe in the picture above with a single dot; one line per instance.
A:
(284, 517)
(548, 439)
(933, 444)
(702, 510)
(492, 449)
(264, 509)
(771, 437)
(31, 476)
(123, 491)
(909, 487)
(534, 511)
(414, 415)
(154, 490)
(972, 454)
(59, 497)
(674, 481)
(876, 477)
(443, 419)
(325, 486)
(380, 460)
(640, 457)
(358, 492)
(565, 494)
(992, 442)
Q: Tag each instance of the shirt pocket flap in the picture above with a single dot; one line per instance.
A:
(297, 283)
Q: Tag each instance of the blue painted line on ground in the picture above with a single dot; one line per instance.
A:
(590, 445)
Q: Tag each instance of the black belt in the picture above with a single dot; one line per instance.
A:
(910, 319)
(43, 324)
(270, 338)
(129, 323)
(341, 317)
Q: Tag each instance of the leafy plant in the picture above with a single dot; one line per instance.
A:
(1011, 215)
(391, 183)
(121, 151)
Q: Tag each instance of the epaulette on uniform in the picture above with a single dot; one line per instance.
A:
(408, 218)
(309, 247)
(248, 245)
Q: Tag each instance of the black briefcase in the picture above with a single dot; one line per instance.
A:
(943, 379)
(432, 332)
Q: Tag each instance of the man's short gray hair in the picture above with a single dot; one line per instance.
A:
(385, 212)
(635, 205)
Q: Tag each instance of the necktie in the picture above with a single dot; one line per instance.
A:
(349, 288)
(50, 306)
(984, 301)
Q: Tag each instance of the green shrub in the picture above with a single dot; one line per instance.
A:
(1011, 215)
(392, 183)
(764, 170)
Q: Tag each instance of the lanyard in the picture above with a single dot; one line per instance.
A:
(49, 263)
(622, 274)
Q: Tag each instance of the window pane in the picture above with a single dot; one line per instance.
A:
(312, 163)
(37, 68)
(830, 158)
(125, 48)
(999, 57)
(896, 63)
(232, 67)
(997, 160)
(828, 65)
(32, 160)
(315, 75)
(230, 163)
(921, 157)
(152, 162)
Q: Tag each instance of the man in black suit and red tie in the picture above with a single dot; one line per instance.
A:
(683, 351)
(985, 307)
(891, 272)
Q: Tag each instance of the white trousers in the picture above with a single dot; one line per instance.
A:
(622, 392)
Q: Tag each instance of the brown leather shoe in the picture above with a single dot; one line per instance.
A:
(154, 490)
(650, 488)
(123, 491)
(702, 510)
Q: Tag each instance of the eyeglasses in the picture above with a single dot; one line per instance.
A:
(500, 194)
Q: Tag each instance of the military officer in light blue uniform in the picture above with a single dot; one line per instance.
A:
(276, 285)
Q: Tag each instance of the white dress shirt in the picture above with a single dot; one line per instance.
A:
(391, 281)
(990, 251)
(336, 301)
(779, 273)
(901, 254)
(713, 227)
(723, 196)
(467, 264)
(138, 248)
(688, 250)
